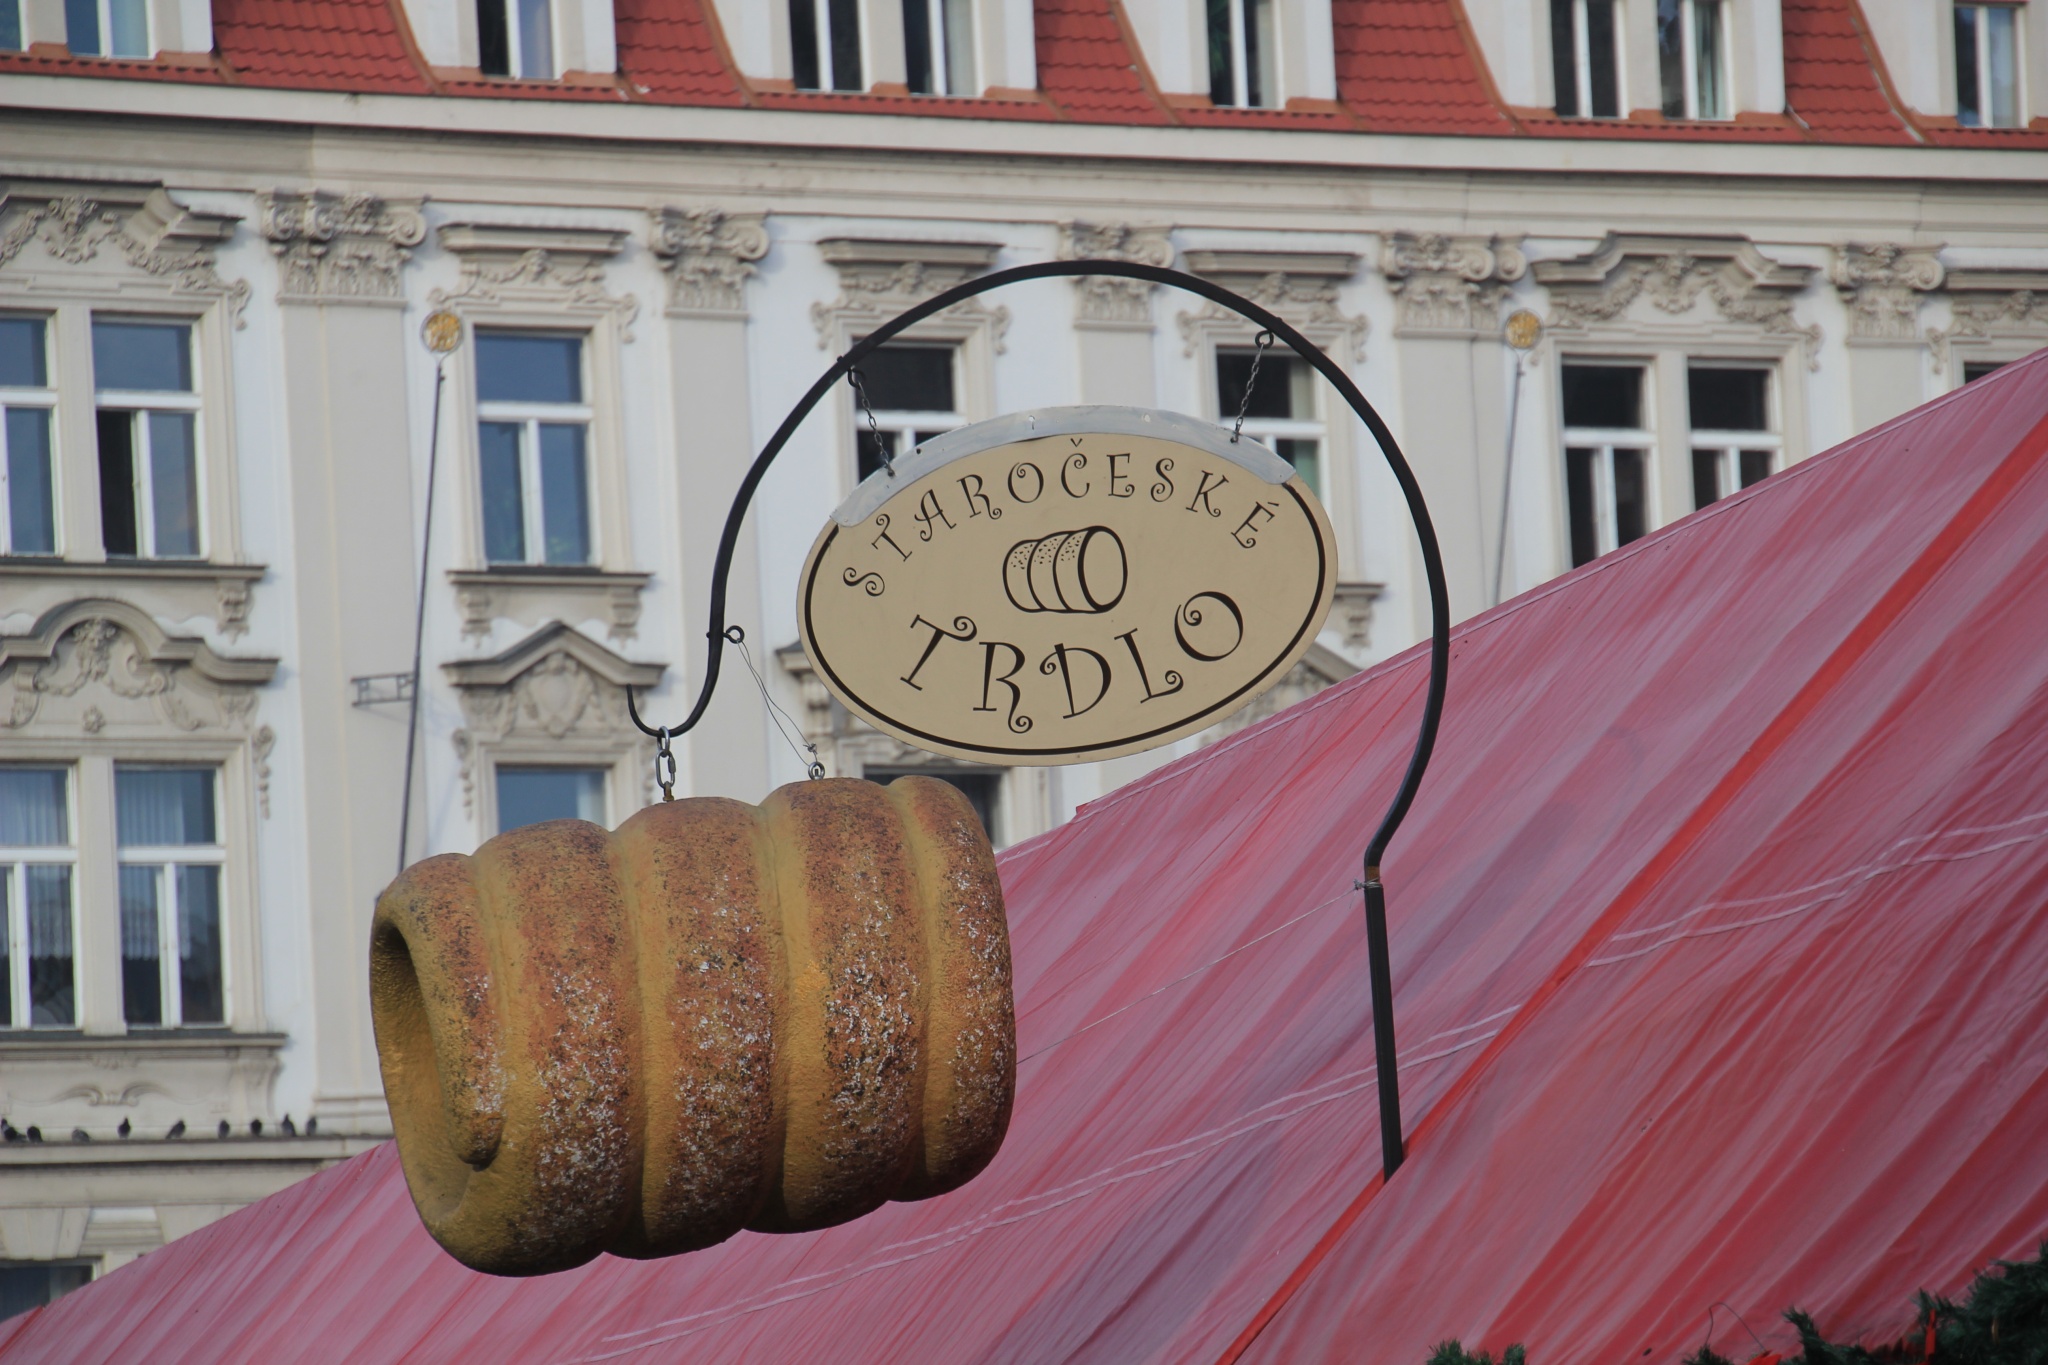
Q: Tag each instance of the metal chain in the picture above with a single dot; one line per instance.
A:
(1244, 404)
(665, 755)
(860, 393)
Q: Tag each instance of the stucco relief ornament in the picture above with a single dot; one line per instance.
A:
(340, 246)
(1882, 285)
(1107, 298)
(152, 233)
(1450, 283)
(709, 256)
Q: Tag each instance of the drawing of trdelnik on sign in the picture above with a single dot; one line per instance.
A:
(1067, 584)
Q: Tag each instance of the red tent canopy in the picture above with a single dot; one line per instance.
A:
(1720, 934)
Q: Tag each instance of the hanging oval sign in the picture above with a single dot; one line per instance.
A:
(1067, 585)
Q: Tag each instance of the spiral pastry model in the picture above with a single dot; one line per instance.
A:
(1067, 571)
(721, 1016)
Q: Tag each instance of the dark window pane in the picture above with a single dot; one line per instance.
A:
(154, 807)
(493, 38)
(981, 789)
(32, 808)
(1706, 59)
(142, 982)
(1222, 66)
(1578, 482)
(1729, 400)
(1631, 497)
(1969, 98)
(1603, 396)
(201, 999)
(909, 379)
(2001, 73)
(1706, 477)
(869, 448)
(527, 796)
(1602, 60)
(803, 44)
(1307, 458)
(504, 503)
(82, 27)
(150, 356)
(1973, 370)
(1756, 466)
(31, 494)
(6, 952)
(24, 357)
(173, 483)
(529, 367)
(917, 47)
(1671, 56)
(10, 41)
(1283, 389)
(844, 16)
(31, 1284)
(50, 994)
(1255, 58)
(117, 483)
(1564, 58)
(536, 40)
(564, 495)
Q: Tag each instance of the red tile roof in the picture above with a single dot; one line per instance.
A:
(1402, 66)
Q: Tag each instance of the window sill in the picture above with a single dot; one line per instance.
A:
(61, 1041)
(171, 589)
(531, 595)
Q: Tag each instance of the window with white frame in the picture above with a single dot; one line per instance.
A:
(167, 827)
(107, 28)
(1734, 441)
(533, 440)
(913, 391)
(1585, 58)
(1281, 413)
(1244, 51)
(938, 47)
(10, 25)
(28, 410)
(1606, 457)
(1988, 66)
(1692, 58)
(824, 44)
(148, 420)
(1974, 370)
(528, 795)
(38, 898)
(516, 38)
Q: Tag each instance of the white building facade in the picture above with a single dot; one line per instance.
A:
(658, 222)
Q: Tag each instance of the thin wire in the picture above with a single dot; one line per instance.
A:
(776, 715)
(419, 624)
(1507, 481)
(1739, 1318)
(1251, 382)
(860, 393)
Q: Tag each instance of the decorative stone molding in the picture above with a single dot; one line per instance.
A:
(1672, 273)
(1104, 299)
(339, 247)
(1318, 669)
(533, 596)
(560, 269)
(709, 255)
(847, 745)
(557, 692)
(1881, 285)
(153, 1082)
(879, 279)
(1447, 285)
(1300, 286)
(1988, 306)
(260, 745)
(97, 665)
(152, 234)
(1351, 613)
(169, 590)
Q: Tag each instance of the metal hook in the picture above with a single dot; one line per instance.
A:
(662, 753)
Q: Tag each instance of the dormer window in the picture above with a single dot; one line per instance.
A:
(107, 28)
(1585, 51)
(1243, 54)
(938, 47)
(824, 44)
(1987, 66)
(1692, 47)
(516, 38)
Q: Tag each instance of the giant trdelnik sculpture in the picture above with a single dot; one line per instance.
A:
(721, 1016)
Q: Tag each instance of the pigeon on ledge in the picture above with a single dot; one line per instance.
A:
(177, 1130)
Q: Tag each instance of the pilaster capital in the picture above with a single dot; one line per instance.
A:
(339, 248)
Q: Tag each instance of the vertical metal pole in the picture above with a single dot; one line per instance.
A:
(419, 623)
(1392, 1149)
(1507, 480)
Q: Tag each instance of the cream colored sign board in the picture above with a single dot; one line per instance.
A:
(1067, 585)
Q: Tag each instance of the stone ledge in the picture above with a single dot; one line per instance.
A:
(174, 590)
(532, 595)
(189, 1150)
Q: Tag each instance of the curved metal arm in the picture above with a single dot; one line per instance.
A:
(1432, 558)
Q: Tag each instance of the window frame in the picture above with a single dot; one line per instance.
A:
(1582, 61)
(904, 426)
(1689, 61)
(603, 768)
(139, 404)
(1982, 62)
(48, 399)
(530, 417)
(1267, 430)
(14, 861)
(1728, 445)
(517, 67)
(1264, 20)
(819, 24)
(945, 47)
(165, 859)
(104, 11)
(1604, 442)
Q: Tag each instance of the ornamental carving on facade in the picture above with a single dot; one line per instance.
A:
(339, 246)
(1882, 285)
(1672, 274)
(879, 279)
(1449, 284)
(95, 665)
(708, 255)
(513, 267)
(1989, 306)
(1301, 286)
(1105, 298)
(150, 232)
